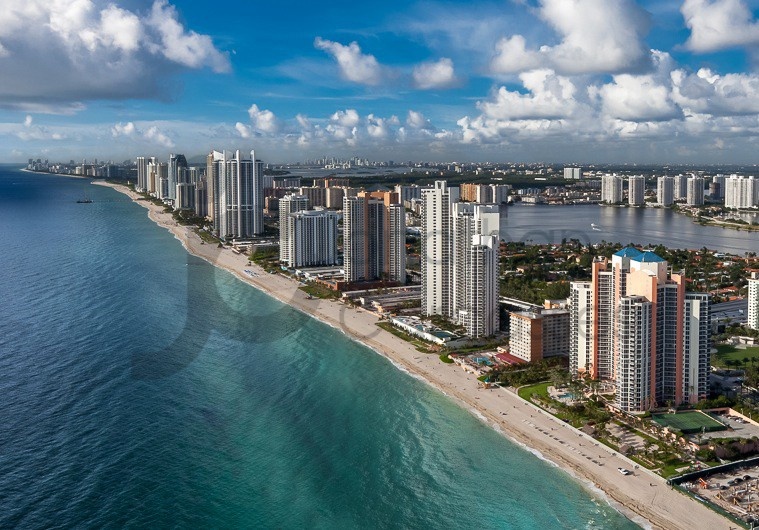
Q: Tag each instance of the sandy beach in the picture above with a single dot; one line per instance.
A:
(643, 496)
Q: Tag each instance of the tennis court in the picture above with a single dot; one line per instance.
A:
(689, 422)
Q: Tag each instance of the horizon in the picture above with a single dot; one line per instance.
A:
(604, 82)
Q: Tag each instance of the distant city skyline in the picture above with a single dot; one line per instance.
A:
(583, 81)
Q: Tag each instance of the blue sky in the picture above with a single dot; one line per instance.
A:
(654, 81)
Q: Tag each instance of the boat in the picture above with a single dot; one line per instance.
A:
(594, 226)
(84, 200)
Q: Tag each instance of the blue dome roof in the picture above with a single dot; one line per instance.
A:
(629, 252)
(650, 257)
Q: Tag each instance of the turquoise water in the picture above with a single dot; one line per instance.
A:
(142, 387)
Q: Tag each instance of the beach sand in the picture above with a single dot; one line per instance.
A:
(643, 496)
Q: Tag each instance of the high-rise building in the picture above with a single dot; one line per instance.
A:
(636, 193)
(201, 197)
(316, 196)
(374, 237)
(681, 187)
(535, 335)
(288, 204)
(460, 260)
(162, 180)
(741, 192)
(573, 173)
(719, 186)
(635, 325)
(175, 163)
(313, 237)
(152, 184)
(142, 174)
(611, 189)
(695, 191)
(753, 302)
(436, 265)
(665, 191)
(185, 196)
(484, 193)
(237, 195)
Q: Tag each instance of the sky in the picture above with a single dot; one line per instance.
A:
(560, 81)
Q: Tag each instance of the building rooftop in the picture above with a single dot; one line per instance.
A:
(629, 252)
(649, 257)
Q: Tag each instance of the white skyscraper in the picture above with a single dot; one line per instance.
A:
(695, 191)
(142, 174)
(611, 189)
(741, 192)
(574, 173)
(636, 193)
(238, 195)
(681, 187)
(665, 191)
(753, 302)
(460, 261)
(288, 204)
(313, 236)
(436, 265)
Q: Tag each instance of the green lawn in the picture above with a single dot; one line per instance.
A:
(730, 356)
(541, 389)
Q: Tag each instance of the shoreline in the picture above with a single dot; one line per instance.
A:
(643, 497)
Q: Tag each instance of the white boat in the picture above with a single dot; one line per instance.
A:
(594, 226)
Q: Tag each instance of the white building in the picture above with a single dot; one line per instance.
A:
(741, 192)
(185, 196)
(238, 195)
(665, 191)
(636, 193)
(753, 302)
(288, 204)
(681, 187)
(611, 189)
(142, 174)
(436, 263)
(574, 173)
(695, 191)
(313, 236)
(480, 314)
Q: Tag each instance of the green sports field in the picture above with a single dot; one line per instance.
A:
(689, 422)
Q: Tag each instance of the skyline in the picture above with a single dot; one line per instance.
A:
(585, 81)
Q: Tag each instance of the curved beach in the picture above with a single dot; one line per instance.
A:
(644, 496)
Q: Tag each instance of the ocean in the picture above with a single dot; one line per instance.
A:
(143, 387)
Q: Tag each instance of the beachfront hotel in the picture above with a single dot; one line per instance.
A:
(460, 260)
(753, 302)
(289, 204)
(235, 187)
(312, 236)
(634, 324)
(374, 237)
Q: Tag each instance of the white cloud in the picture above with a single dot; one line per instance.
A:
(154, 134)
(94, 49)
(512, 56)
(263, 120)
(416, 120)
(345, 118)
(243, 130)
(597, 36)
(720, 95)
(184, 47)
(126, 129)
(28, 121)
(549, 96)
(354, 65)
(640, 98)
(719, 24)
(434, 74)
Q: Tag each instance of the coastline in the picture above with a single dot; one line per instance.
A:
(643, 497)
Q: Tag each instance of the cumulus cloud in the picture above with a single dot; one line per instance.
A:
(706, 92)
(434, 74)
(263, 120)
(549, 96)
(354, 65)
(597, 36)
(243, 130)
(416, 120)
(719, 24)
(641, 98)
(154, 134)
(94, 49)
(123, 129)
